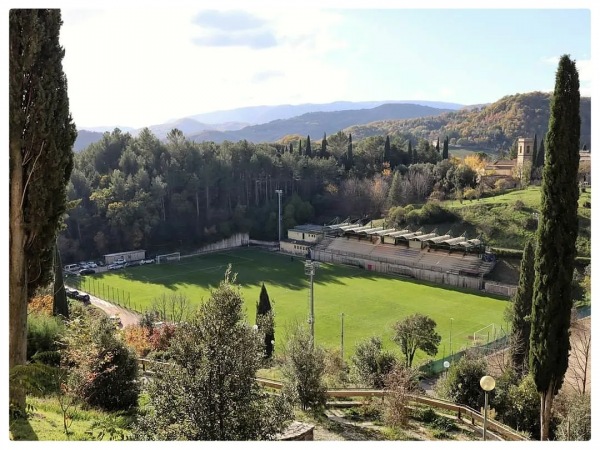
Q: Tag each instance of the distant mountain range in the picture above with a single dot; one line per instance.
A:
(218, 125)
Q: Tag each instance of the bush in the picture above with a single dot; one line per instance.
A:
(43, 333)
(461, 383)
(427, 415)
(444, 424)
(501, 185)
(518, 205)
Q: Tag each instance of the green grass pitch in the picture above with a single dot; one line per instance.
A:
(371, 302)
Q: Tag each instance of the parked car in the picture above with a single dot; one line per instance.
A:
(85, 298)
(147, 261)
(86, 271)
(115, 266)
(71, 293)
(72, 267)
(92, 265)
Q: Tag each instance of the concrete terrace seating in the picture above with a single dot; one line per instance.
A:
(442, 260)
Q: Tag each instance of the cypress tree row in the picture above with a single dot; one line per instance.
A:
(540, 154)
(324, 146)
(534, 156)
(521, 325)
(555, 252)
(387, 150)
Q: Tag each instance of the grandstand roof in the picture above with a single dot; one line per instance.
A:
(337, 226)
(358, 230)
(470, 243)
(372, 230)
(409, 235)
(439, 239)
(310, 227)
(455, 240)
(399, 233)
(386, 232)
(425, 236)
(350, 227)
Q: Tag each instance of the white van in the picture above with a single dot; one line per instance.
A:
(72, 267)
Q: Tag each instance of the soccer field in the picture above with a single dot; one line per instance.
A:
(371, 302)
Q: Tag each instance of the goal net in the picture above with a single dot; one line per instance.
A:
(171, 257)
(488, 334)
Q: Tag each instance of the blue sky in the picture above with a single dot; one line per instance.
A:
(142, 66)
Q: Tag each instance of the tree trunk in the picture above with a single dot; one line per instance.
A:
(17, 271)
(546, 400)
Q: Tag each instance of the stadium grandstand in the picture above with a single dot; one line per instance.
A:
(439, 258)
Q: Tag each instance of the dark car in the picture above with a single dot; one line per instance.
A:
(85, 298)
(71, 293)
(86, 271)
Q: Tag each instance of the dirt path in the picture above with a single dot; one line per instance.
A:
(127, 317)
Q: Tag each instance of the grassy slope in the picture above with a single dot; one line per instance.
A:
(371, 302)
(504, 226)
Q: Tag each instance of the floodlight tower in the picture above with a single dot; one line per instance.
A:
(309, 269)
(279, 192)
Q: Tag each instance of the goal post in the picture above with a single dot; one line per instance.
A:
(170, 257)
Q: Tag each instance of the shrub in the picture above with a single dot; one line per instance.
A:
(444, 424)
(413, 217)
(136, 337)
(461, 383)
(371, 363)
(43, 333)
(426, 415)
(470, 194)
(518, 205)
(501, 185)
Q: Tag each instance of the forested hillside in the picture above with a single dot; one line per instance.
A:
(493, 127)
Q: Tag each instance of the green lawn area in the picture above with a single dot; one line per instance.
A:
(371, 302)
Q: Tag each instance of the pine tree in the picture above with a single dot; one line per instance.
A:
(41, 135)
(394, 194)
(445, 149)
(308, 151)
(437, 145)
(349, 156)
(300, 147)
(387, 150)
(265, 320)
(521, 325)
(555, 253)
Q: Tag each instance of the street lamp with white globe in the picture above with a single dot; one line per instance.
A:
(487, 383)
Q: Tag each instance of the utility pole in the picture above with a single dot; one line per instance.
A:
(309, 269)
(279, 192)
(451, 320)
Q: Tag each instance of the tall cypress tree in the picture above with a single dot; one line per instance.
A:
(349, 156)
(323, 153)
(555, 252)
(534, 155)
(541, 153)
(264, 320)
(445, 149)
(291, 147)
(300, 147)
(521, 325)
(387, 150)
(410, 153)
(437, 145)
(308, 151)
(41, 135)
(60, 305)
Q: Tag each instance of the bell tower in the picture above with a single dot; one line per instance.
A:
(524, 150)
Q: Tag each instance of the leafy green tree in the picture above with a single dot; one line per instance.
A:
(371, 363)
(265, 320)
(209, 392)
(303, 369)
(41, 136)
(416, 332)
(575, 418)
(522, 407)
(555, 252)
(395, 192)
(521, 316)
(461, 383)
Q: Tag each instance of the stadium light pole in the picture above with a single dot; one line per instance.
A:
(309, 269)
(279, 192)
(451, 320)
